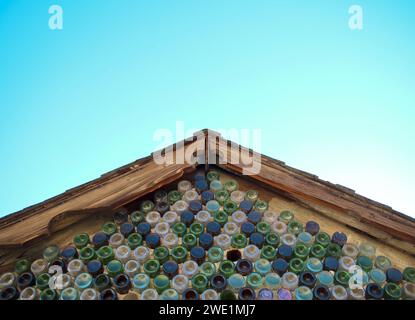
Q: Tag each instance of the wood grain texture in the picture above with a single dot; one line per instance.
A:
(123, 185)
(328, 223)
(334, 201)
(278, 201)
(34, 249)
(111, 191)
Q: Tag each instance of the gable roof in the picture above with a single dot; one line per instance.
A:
(127, 183)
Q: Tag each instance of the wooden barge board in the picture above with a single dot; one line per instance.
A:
(334, 201)
(110, 191)
(278, 203)
(85, 207)
(277, 200)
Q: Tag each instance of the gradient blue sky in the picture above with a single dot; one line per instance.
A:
(82, 101)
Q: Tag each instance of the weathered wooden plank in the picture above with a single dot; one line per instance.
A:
(328, 220)
(125, 184)
(395, 228)
(110, 192)
(326, 217)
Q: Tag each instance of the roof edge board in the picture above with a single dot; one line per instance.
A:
(328, 188)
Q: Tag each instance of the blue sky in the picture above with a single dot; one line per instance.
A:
(332, 101)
